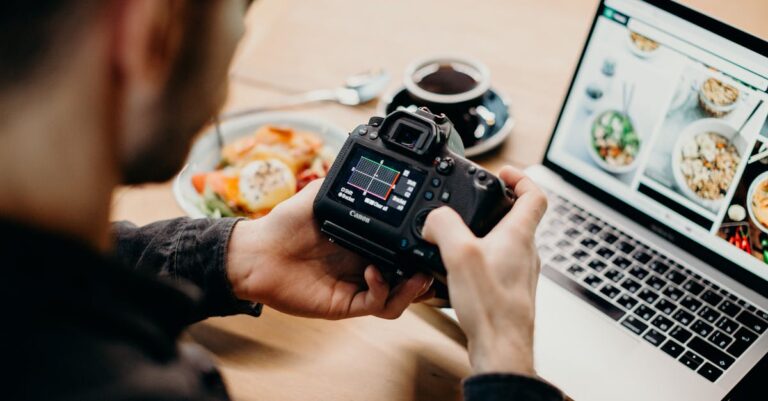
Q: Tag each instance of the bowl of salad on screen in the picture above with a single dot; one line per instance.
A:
(266, 159)
(613, 142)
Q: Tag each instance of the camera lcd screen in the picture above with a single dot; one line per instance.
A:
(377, 186)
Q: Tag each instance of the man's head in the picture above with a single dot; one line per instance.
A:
(161, 68)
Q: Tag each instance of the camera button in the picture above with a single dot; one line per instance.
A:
(362, 130)
(445, 196)
(375, 121)
(472, 170)
(423, 252)
(418, 222)
(436, 182)
(482, 175)
(429, 195)
(445, 166)
(404, 243)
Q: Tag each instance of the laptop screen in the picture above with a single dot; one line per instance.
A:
(672, 119)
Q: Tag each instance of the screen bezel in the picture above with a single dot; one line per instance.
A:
(718, 261)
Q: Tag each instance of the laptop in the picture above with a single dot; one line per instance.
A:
(655, 245)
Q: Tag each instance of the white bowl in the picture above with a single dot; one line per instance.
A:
(717, 110)
(636, 50)
(596, 156)
(701, 126)
(750, 193)
(204, 155)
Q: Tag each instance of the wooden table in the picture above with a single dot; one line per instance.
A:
(531, 47)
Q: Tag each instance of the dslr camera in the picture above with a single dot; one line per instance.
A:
(388, 176)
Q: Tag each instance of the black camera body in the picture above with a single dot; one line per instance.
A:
(389, 175)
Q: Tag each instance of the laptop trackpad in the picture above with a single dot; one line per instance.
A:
(590, 357)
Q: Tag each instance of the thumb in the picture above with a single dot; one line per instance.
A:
(445, 228)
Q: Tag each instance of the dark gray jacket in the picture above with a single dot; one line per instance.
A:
(82, 326)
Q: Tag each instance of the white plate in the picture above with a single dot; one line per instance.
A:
(750, 193)
(204, 155)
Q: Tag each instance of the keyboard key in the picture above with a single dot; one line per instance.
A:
(691, 360)
(626, 301)
(597, 265)
(683, 317)
(690, 303)
(645, 312)
(639, 272)
(647, 295)
(610, 291)
(708, 351)
(622, 262)
(729, 308)
(762, 315)
(673, 293)
(559, 259)
(576, 270)
(662, 323)
(753, 322)
(605, 252)
(589, 243)
(576, 218)
(580, 254)
(658, 266)
(727, 325)
(641, 257)
(593, 228)
(654, 337)
(709, 314)
(711, 297)
(634, 324)
(630, 285)
(720, 339)
(665, 306)
(710, 372)
(701, 328)
(672, 348)
(609, 237)
(625, 247)
(563, 244)
(693, 287)
(572, 232)
(743, 339)
(675, 277)
(593, 281)
(657, 283)
(680, 334)
(614, 275)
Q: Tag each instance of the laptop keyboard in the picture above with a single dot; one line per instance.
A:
(688, 317)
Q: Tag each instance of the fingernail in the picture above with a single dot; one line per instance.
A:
(427, 285)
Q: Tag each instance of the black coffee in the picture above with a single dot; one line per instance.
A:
(445, 79)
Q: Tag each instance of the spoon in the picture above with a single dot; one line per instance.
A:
(357, 89)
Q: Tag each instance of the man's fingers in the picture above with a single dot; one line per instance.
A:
(529, 207)
(404, 294)
(374, 299)
(445, 228)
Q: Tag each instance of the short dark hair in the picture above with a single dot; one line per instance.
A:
(29, 31)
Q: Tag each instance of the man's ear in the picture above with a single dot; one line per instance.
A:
(148, 38)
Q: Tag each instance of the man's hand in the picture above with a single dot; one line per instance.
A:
(283, 261)
(492, 280)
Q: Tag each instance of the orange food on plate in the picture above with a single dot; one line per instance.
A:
(259, 171)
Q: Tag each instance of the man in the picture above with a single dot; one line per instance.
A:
(98, 93)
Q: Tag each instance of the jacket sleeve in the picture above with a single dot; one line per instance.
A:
(194, 250)
(509, 387)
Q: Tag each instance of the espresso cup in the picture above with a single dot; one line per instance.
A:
(451, 85)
